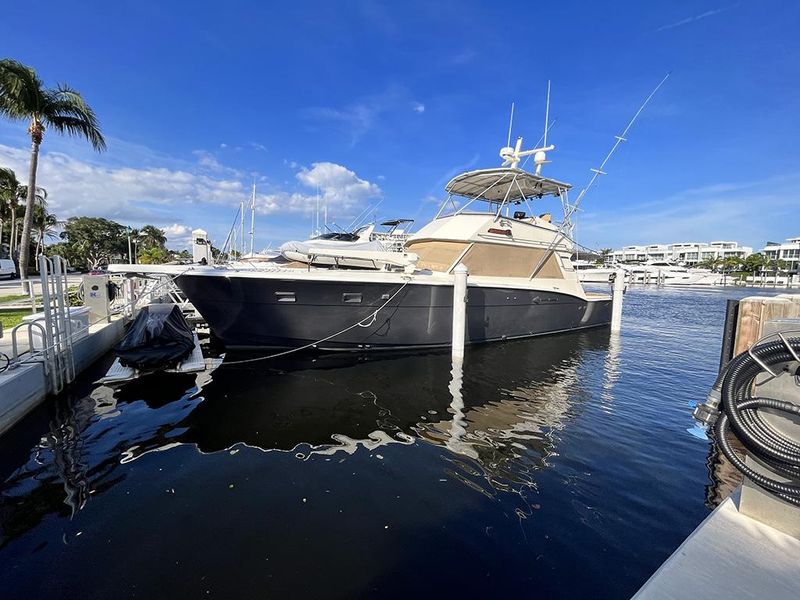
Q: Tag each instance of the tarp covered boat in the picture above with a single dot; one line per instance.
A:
(159, 338)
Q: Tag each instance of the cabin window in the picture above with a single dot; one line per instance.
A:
(436, 256)
(351, 298)
(500, 260)
(285, 297)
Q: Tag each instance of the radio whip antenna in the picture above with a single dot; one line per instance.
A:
(510, 123)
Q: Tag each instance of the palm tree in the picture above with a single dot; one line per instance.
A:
(8, 196)
(40, 199)
(24, 97)
(151, 236)
(44, 222)
(731, 263)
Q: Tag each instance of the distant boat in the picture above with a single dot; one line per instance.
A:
(363, 248)
(589, 272)
(672, 274)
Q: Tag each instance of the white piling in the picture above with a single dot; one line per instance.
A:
(459, 310)
(616, 301)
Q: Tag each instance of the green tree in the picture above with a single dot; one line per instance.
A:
(44, 222)
(732, 263)
(24, 97)
(153, 256)
(39, 200)
(754, 263)
(151, 236)
(8, 197)
(714, 263)
(92, 241)
(776, 264)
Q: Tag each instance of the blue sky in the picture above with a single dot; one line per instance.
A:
(362, 102)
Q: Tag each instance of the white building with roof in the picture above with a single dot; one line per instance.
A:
(689, 253)
(789, 252)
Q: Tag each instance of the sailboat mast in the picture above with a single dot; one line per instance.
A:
(316, 213)
(253, 219)
(241, 227)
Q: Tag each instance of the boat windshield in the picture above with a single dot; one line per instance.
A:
(338, 236)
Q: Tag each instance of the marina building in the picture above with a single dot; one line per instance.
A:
(789, 252)
(689, 253)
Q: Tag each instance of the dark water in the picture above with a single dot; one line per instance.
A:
(558, 467)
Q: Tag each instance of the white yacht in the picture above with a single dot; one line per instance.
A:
(670, 273)
(364, 248)
(521, 280)
(396, 235)
(590, 272)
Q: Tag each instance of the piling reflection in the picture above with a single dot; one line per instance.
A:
(497, 418)
(724, 477)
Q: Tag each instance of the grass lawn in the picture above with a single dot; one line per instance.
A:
(13, 298)
(10, 318)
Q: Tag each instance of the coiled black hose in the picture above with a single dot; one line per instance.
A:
(741, 415)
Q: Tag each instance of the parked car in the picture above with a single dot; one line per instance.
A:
(7, 268)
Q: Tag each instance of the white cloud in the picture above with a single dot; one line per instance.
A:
(138, 195)
(338, 187)
(178, 236)
(418, 107)
(338, 183)
(165, 197)
(206, 159)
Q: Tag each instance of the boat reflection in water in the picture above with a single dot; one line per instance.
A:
(497, 420)
(502, 411)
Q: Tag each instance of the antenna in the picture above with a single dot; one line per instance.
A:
(512, 156)
(510, 123)
(546, 114)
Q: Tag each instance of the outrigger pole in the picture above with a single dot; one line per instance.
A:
(595, 174)
(620, 138)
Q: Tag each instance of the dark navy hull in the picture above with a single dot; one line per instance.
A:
(247, 312)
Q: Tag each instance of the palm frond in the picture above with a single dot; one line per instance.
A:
(8, 179)
(66, 111)
(40, 197)
(21, 91)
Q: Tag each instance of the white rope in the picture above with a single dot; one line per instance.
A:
(373, 316)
